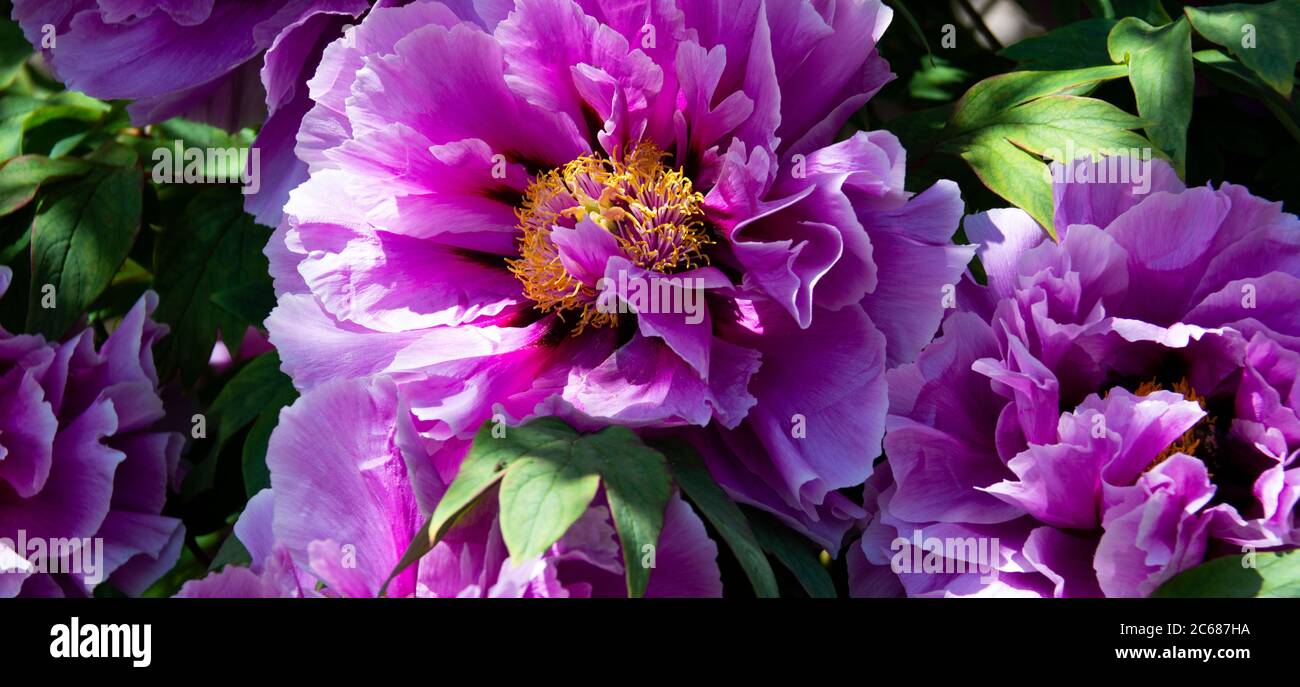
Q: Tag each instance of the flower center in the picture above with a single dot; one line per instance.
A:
(1200, 437)
(651, 211)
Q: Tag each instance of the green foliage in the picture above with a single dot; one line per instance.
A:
(1233, 75)
(1261, 575)
(1073, 46)
(1266, 38)
(725, 516)
(86, 231)
(82, 234)
(255, 394)
(797, 554)
(14, 51)
(21, 177)
(1209, 87)
(216, 246)
(548, 476)
(936, 79)
(1006, 125)
(1064, 89)
(1160, 69)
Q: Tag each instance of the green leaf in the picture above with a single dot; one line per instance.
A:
(1004, 91)
(796, 553)
(1055, 125)
(126, 288)
(67, 144)
(22, 176)
(199, 135)
(725, 516)
(114, 154)
(1264, 37)
(14, 112)
(483, 466)
(1076, 45)
(14, 51)
(542, 495)
(548, 476)
(232, 552)
(251, 302)
(1014, 174)
(544, 492)
(212, 247)
(20, 114)
(934, 80)
(1272, 575)
(259, 389)
(1160, 70)
(638, 488)
(487, 460)
(1004, 124)
(82, 234)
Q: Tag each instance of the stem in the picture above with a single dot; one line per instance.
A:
(980, 26)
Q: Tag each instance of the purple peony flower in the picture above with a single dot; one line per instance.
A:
(84, 463)
(1111, 409)
(618, 213)
(210, 61)
(350, 489)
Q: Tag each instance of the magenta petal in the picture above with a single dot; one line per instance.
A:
(232, 582)
(1092, 197)
(254, 527)
(836, 77)
(1168, 238)
(1066, 560)
(586, 249)
(450, 85)
(686, 559)
(326, 125)
(277, 580)
(337, 489)
(27, 429)
(393, 283)
(542, 40)
(645, 382)
(1003, 236)
(78, 491)
(140, 548)
(1058, 484)
(917, 264)
(1142, 426)
(1154, 533)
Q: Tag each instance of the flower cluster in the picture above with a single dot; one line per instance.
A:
(663, 217)
(86, 461)
(481, 185)
(1112, 408)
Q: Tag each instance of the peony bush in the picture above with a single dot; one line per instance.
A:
(663, 298)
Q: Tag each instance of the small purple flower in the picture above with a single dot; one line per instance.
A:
(85, 464)
(350, 489)
(1113, 408)
(229, 63)
(490, 187)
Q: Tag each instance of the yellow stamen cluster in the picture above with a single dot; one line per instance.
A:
(1199, 436)
(653, 212)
